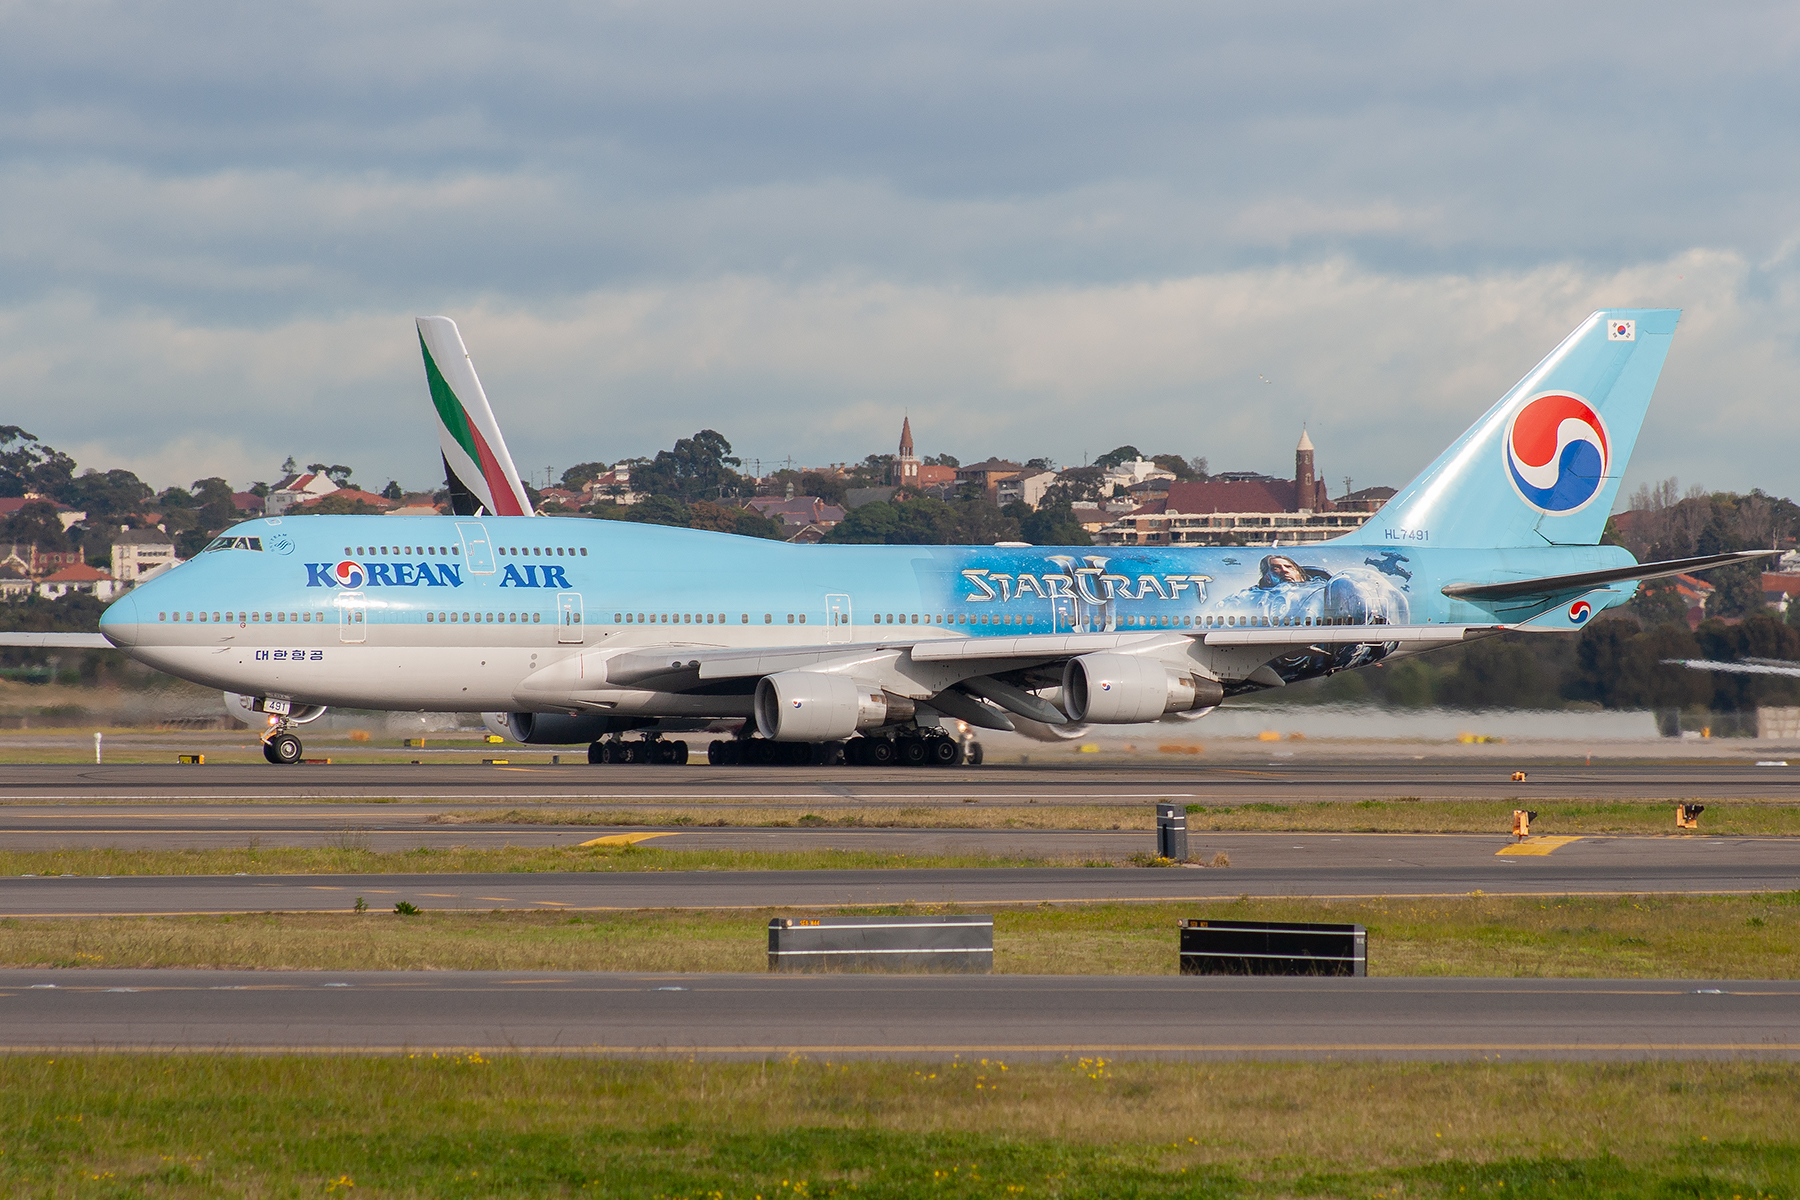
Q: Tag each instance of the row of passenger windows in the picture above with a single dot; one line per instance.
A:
(492, 618)
(697, 619)
(1127, 622)
(305, 618)
(451, 551)
(255, 618)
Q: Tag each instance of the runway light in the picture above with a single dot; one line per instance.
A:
(1518, 777)
(1687, 816)
(1522, 823)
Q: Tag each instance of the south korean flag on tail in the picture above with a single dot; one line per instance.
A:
(1621, 331)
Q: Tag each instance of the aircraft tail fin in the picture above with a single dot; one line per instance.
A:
(477, 466)
(1542, 466)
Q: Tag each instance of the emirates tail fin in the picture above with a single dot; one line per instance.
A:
(477, 467)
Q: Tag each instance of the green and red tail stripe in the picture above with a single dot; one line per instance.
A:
(477, 467)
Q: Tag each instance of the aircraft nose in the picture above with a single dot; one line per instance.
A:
(119, 622)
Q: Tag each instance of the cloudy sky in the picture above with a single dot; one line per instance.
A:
(1040, 229)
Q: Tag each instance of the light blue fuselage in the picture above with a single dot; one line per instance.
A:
(441, 621)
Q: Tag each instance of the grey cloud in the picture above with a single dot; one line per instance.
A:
(290, 183)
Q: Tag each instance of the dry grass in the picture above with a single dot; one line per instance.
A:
(1707, 937)
(349, 858)
(467, 1125)
(1758, 818)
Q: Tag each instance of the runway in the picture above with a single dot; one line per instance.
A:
(896, 1016)
(532, 780)
(1263, 865)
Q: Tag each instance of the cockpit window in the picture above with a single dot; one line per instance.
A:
(234, 543)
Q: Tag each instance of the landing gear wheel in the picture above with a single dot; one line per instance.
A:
(974, 754)
(597, 752)
(945, 752)
(678, 753)
(881, 752)
(913, 751)
(283, 749)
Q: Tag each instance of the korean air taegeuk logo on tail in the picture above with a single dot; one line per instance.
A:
(1557, 453)
(348, 574)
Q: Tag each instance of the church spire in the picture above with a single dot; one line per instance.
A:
(906, 442)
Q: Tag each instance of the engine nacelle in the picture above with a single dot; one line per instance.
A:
(1124, 689)
(559, 729)
(811, 706)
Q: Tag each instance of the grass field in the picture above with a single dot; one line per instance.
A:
(1706, 937)
(468, 1126)
(348, 858)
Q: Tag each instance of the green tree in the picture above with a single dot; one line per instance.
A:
(110, 494)
(1500, 672)
(825, 487)
(942, 460)
(331, 505)
(392, 491)
(338, 473)
(27, 465)
(1053, 525)
(36, 523)
(1658, 602)
(698, 468)
(1182, 468)
(1737, 590)
(1620, 665)
(217, 508)
(1121, 454)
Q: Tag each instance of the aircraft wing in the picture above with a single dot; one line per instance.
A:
(934, 664)
(1552, 585)
(1754, 666)
(55, 641)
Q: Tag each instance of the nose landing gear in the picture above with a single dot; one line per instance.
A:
(282, 747)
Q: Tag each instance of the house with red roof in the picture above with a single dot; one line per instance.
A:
(78, 578)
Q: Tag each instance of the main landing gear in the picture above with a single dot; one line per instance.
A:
(647, 750)
(904, 750)
(282, 747)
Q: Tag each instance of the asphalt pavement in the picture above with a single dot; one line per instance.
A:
(530, 779)
(897, 1016)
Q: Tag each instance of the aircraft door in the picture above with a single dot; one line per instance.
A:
(478, 552)
(568, 618)
(353, 618)
(837, 618)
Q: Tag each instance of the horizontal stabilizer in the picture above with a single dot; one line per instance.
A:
(55, 641)
(1552, 585)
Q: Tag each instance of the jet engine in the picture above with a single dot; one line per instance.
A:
(1123, 689)
(811, 706)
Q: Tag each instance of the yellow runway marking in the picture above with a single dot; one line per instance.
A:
(623, 839)
(1537, 845)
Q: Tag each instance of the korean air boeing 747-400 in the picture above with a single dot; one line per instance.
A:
(580, 630)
